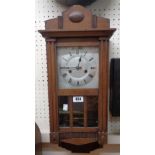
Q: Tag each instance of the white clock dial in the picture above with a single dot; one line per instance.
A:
(77, 66)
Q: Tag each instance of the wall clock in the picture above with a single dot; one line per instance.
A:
(77, 60)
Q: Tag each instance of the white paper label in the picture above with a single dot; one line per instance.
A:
(65, 107)
(78, 98)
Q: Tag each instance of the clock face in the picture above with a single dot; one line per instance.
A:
(78, 67)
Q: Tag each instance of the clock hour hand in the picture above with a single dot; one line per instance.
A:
(79, 63)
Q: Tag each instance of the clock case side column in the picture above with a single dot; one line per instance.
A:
(52, 89)
(103, 90)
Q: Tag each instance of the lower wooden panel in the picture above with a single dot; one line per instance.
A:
(82, 92)
(69, 135)
(86, 129)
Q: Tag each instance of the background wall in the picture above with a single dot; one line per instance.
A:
(47, 9)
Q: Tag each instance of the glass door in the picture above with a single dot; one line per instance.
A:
(78, 114)
(78, 111)
(64, 112)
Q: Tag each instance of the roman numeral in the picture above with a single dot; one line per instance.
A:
(65, 59)
(77, 51)
(85, 53)
(78, 83)
(90, 75)
(85, 81)
(70, 80)
(91, 59)
(64, 75)
(92, 67)
(70, 53)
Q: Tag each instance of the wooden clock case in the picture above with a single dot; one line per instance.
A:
(78, 27)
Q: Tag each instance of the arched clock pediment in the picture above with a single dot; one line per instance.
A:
(77, 17)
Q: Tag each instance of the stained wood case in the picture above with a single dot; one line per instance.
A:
(77, 46)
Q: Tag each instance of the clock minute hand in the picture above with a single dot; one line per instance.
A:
(67, 67)
(79, 62)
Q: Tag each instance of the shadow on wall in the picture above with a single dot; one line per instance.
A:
(38, 142)
(76, 2)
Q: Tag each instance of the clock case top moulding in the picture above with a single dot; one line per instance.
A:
(77, 21)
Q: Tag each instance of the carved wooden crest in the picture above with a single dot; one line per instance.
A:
(81, 21)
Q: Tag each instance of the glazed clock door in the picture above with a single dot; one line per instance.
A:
(78, 111)
(78, 82)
